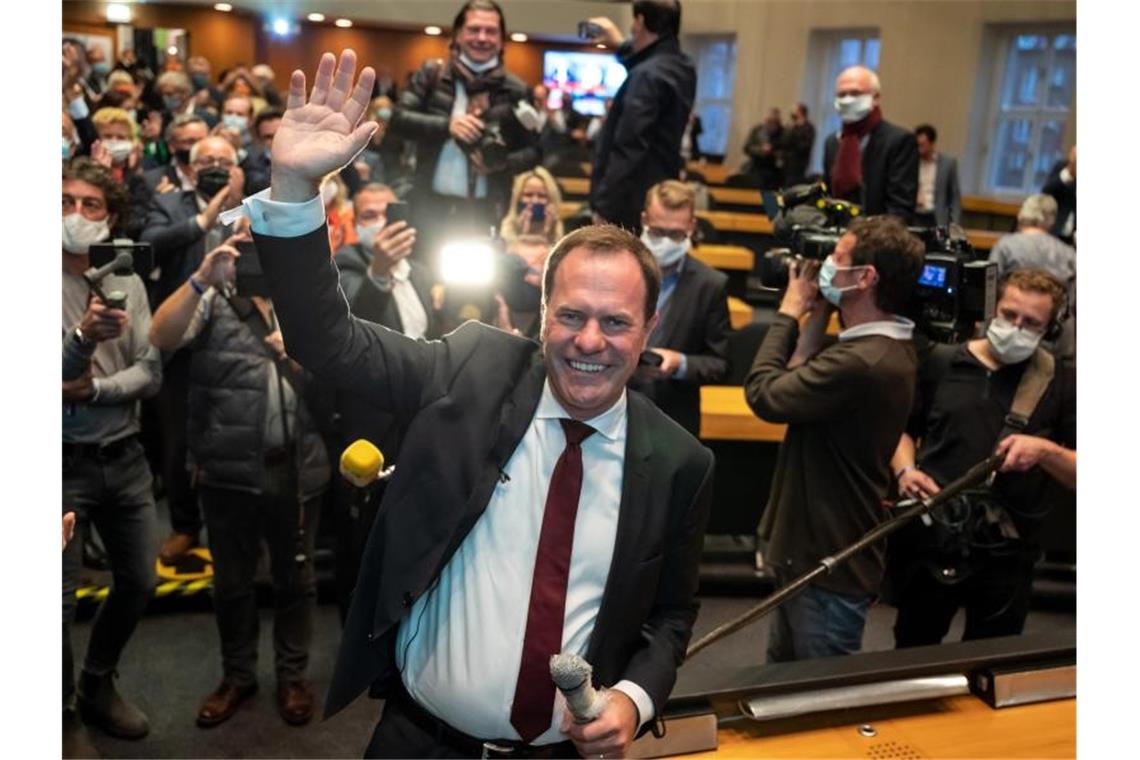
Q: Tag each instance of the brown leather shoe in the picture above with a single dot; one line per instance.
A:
(223, 702)
(295, 702)
(175, 547)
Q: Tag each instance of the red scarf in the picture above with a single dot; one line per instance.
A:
(847, 172)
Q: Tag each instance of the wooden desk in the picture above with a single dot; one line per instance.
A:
(725, 416)
(574, 185)
(993, 206)
(739, 313)
(714, 174)
(741, 196)
(734, 257)
(961, 726)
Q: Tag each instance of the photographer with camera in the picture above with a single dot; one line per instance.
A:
(260, 467)
(846, 406)
(460, 114)
(1003, 392)
(640, 141)
(108, 365)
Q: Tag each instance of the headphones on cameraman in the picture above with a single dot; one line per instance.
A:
(1057, 321)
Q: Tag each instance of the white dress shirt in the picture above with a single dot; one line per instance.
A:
(451, 169)
(927, 172)
(459, 649)
(413, 316)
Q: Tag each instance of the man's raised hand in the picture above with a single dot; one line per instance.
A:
(320, 136)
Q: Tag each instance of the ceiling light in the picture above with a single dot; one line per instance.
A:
(117, 13)
(280, 27)
(600, 46)
(518, 37)
(343, 23)
(223, 7)
(317, 17)
(433, 31)
(172, 51)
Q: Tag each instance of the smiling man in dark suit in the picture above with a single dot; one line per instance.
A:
(691, 336)
(870, 161)
(492, 551)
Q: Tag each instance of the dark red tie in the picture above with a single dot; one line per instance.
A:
(533, 706)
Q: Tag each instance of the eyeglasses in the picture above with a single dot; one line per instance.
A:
(675, 235)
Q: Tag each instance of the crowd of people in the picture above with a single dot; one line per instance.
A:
(270, 330)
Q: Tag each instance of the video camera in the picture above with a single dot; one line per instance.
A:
(120, 257)
(954, 290)
(809, 223)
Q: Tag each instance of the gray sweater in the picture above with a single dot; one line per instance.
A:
(845, 408)
(124, 370)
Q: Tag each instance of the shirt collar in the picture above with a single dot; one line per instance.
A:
(610, 423)
(899, 328)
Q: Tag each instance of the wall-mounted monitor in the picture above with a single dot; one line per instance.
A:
(586, 78)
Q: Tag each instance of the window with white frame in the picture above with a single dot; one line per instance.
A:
(830, 51)
(715, 57)
(1033, 93)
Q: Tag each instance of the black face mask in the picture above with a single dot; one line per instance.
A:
(182, 156)
(211, 180)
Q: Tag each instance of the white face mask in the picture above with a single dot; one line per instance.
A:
(118, 150)
(79, 233)
(367, 234)
(667, 252)
(479, 68)
(1011, 344)
(853, 107)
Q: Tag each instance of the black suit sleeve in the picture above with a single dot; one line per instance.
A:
(669, 626)
(902, 177)
(711, 365)
(168, 232)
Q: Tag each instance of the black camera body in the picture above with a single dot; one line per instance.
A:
(809, 224)
(955, 290)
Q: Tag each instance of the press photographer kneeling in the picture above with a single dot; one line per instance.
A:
(1005, 391)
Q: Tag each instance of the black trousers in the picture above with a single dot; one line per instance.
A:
(236, 522)
(400, 733)
(171, 405)
(995, 596)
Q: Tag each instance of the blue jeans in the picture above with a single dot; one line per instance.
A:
(817, 623)
(113, 494)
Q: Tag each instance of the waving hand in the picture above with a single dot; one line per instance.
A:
(320, 136)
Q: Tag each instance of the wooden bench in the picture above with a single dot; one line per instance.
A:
(725, 416)
(739, 313)
(726, 257)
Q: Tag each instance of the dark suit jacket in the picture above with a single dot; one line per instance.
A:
(178, 241)
(466, 402)
(1066, 197)
(695, 323)
(357, 416)
(890, 171)
(153, 177)
(947, 193)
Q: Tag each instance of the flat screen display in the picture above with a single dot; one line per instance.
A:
(933, 276)
(586, 78)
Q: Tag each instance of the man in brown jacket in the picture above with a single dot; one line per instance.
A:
(845, 406)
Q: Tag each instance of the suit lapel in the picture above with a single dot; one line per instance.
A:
(631, 517)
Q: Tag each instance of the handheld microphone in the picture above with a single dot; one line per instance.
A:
(362, 464)
(571, 675)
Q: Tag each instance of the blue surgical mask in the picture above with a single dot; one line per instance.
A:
(171, 102)
(67, 146)
(826, 273)
(101, 67)
(200, 81)
(234, 121)
(384, 114)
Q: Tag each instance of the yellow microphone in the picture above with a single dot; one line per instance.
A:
(361, 463)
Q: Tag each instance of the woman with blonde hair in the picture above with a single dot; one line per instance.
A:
(535, 201)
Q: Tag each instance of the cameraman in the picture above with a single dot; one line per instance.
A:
(981, 556)
(846, 406)
(451, 111)
(260, 467)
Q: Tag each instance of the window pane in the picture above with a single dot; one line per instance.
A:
(715, 70)
(715, 118)
(1063, 75)
(1049, 151)
(871, 57)
(1023, 71)
(1011, 154)
(850, 53)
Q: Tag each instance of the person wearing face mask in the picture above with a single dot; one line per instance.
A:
(963, 414)
(382, 285)
(845, 405)
(446, 110)
(640, 141)
(870, 161)
(182, 225)
(691, 336)
(119, 149)
(182, 133)
(108, 366)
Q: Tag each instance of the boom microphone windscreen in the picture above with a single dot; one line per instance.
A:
(361, 463)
